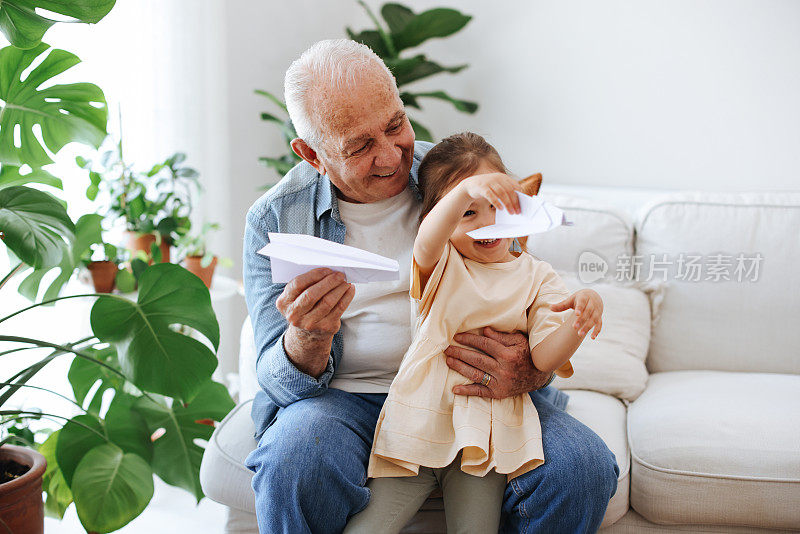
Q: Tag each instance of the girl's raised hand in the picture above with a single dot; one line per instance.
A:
(588, 310)
(498, 188)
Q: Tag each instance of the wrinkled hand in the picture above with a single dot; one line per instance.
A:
(507, 359)
(313, 304)
(588, 308)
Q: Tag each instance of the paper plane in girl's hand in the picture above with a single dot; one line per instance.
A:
(537, 216)
(295, 254)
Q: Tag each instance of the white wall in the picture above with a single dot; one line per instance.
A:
(679, 94)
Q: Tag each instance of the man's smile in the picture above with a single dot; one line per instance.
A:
(387, 175)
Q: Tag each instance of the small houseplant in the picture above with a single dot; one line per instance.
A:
(103, 271)
(155, 204)
(197, 258)
(402, 29)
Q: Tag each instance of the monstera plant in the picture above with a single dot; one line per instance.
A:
(401, 30)
(142, 392)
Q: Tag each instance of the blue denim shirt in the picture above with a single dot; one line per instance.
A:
(303, 202)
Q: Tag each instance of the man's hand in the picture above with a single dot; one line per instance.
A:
(313, 304)
(507, 360)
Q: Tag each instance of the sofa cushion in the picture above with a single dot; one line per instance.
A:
(248, 382)
(712, 447)
(614, 362)
(714, 323)
(223, 476)
(598, 229)
(225, 479)
(605, 415)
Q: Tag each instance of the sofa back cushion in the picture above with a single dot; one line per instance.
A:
(731, 262)
(598, 229)
(613, 363)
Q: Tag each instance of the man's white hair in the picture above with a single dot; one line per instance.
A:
(335, 63)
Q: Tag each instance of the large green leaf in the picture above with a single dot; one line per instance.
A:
(24, 28)
(282, 165)
(111, 488)
(372, 39)
(439, 22)
(84, 374)
(88, 231)
(59, 496)
(278, 102)
(127, 428)
(396, 16)
(461, 105)
(65, 112)
(176, 458)
(10, 175)
(34, 225)
(77, 437)
(407, 70)
(421, 133)
(152, 355)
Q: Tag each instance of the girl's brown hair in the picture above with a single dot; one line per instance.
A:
(453, 159)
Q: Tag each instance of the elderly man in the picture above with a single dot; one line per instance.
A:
(328, 351)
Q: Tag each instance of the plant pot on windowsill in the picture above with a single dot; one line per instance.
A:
(21, 506)
(194, 265)
(103, 275)
(144, 242)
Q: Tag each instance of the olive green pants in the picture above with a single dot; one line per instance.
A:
(471, 504)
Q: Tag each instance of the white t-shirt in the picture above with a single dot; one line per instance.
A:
(376, 327)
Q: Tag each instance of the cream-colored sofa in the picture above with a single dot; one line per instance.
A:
(693, 384)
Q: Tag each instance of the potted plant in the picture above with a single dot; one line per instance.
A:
(21, 471)
(155, 205)
(101, 458)
(103, 271)
(197, 258)
(402, 29)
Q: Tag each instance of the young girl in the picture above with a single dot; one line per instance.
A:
(471, 446)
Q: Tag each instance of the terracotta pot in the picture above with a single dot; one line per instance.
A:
(103, 275)
(21, 506)
(206, 274)
(144, 242)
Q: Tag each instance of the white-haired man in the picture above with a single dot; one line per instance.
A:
(327, 351)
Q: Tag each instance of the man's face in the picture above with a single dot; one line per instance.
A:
(368, 142)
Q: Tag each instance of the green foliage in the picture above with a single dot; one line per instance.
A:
(66, 113)
(103, 460)
(109, 486)
(163, 400)
(404, 30)
(196, 244)
(151, 354)
(88, 234)
(176, 457)
(24, 28)
(10, 175)
(158, 199)
(34, 225)
(55, 486)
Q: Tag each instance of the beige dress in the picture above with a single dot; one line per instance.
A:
(422, 423)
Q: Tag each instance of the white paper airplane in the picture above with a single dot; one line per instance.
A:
(537, 216)
(295, 254)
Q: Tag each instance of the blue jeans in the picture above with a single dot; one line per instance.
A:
(311, 467)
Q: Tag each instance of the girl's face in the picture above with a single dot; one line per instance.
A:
(479, 214)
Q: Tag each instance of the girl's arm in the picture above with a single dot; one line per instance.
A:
(554, 350)
(437, 227)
